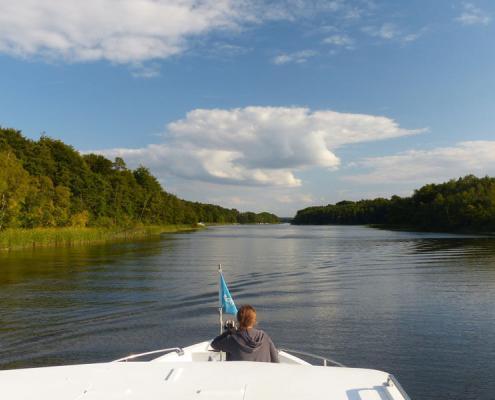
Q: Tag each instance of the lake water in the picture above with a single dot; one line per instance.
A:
(421, 306)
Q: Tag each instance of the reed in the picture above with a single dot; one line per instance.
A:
(12, 239)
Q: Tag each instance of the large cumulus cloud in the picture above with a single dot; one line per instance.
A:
(257, 146)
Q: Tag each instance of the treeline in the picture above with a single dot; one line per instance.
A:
(465, 204)
(260, 218)
(47, 183)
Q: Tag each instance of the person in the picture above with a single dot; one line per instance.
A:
(246, 343)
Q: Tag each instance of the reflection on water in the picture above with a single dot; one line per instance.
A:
(418, 305)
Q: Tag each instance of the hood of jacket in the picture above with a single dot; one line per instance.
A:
(249, 340)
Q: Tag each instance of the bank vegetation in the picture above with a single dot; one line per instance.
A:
(49, 192)
(466, 204)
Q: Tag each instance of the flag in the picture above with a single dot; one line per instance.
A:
(226, 301)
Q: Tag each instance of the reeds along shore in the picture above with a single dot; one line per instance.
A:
(13, 239)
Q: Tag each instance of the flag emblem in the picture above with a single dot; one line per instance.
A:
(226, 301)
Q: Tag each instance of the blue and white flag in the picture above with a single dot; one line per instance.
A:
(226, 301)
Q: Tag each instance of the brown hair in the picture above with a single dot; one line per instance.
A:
(246, 316)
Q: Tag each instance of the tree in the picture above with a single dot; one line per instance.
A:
(14, 183)
(119, 164)
(38, 208)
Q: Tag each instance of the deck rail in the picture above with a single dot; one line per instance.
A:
(326, 361)
(392, 381)
(178, 350)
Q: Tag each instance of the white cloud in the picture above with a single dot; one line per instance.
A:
(386, 31)
(353, 13)
(145, 70)
(133, 31)
(257, 146)
(121, 31)
(283, 201)
(294, 198)
(411, 37)
(341, 40)
(223, 50)
(390, 31)
(435, 165)
(298, 57)
(472, 15)
(140, 32)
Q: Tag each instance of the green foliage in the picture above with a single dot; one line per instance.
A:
(14, 186)
(261, 218)
(47, 183)
(465, 204)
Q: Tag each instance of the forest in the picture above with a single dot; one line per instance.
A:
(47, 183)
(465, 204)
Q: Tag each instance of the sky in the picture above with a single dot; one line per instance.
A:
(260, 105)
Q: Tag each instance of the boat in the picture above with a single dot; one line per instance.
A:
(199, 372)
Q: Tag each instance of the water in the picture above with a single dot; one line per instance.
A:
(418, 305)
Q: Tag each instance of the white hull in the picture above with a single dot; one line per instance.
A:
(196, 374)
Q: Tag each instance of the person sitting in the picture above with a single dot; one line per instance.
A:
(246, 343)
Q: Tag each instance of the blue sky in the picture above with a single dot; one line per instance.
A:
(260, 105)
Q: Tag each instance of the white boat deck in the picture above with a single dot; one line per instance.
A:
(194, 374)
(203, 352)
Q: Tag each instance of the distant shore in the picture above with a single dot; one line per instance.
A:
(464, 205)
(16, 239)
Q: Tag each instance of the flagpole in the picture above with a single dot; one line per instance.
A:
(220, 308)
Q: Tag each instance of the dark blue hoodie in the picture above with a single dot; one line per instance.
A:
(246, 345)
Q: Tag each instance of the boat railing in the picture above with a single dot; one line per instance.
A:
(178, 350)
(392, 381)
(326, 361)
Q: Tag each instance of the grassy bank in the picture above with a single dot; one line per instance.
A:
(12, 239)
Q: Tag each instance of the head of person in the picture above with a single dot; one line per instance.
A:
(246, 316)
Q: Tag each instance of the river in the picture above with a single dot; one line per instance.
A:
(418, 305)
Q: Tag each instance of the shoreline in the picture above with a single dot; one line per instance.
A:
(18, 239)
(409, 228)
